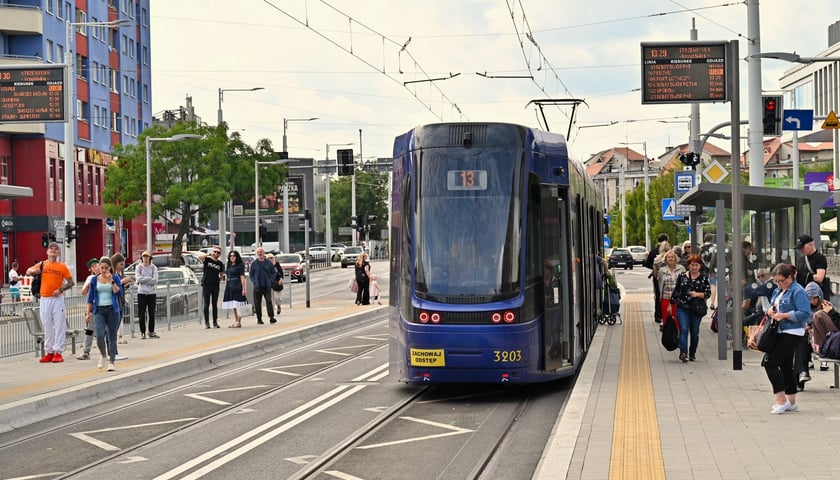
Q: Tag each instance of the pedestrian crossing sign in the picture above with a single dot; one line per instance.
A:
(669, 209)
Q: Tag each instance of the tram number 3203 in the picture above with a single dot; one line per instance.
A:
(507, 356)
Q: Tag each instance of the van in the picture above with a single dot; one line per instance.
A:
(270, 247)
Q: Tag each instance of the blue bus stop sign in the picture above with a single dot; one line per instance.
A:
(607, 242)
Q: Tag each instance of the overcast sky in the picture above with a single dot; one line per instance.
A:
(591, 50)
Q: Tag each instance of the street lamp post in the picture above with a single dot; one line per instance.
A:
(257, 164)
(327, 193)
(175, 138)
(70, 132)
(645, 169)
(219, 119)
(286, 183)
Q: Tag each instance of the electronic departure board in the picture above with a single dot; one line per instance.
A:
(32, 94)
(684, 72)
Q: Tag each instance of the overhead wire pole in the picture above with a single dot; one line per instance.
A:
(223, 243)
(286, 183)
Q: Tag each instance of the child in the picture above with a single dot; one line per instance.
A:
(374, 292)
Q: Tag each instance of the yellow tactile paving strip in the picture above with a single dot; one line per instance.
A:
(636, 447)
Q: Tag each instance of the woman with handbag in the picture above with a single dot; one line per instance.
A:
(690, 296)
(234, 298)
(667, 273)
(790, 309)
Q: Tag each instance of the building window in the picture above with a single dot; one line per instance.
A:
(81, 17)
(51, 186)
(113, 81)
(97, 196)
(60, 179)
(4, 170)
(80, 193)
(115, 122)
(50, 6)
(145, 93)
(89, 169)
(144, 17)
(96, 115)
(59, 14)
(50, 56)
(145, 53)
(59, 53)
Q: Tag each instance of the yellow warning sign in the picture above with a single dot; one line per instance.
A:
(831, 121)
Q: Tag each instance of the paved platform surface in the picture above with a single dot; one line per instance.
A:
(31, 391)
(714, 422)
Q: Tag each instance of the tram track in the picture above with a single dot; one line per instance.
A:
(124, 407)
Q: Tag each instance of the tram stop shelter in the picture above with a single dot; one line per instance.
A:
(778, 217)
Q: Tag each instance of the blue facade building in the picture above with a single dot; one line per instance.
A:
(111, 52)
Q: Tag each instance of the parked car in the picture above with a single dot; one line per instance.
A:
(269, 247)
(621, 257)
(639, 253)
(317, 254)
(179, 288)
(337, 249)
(351, 254)
(162, 259)
(293, 265)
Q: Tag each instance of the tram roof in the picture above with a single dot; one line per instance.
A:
(758, 199)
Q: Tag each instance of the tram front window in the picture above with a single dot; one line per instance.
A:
(468, 238)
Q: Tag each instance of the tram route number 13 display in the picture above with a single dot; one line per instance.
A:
(466, 180)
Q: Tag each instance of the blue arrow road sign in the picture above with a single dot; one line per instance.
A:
(669, 209)
(798, 120)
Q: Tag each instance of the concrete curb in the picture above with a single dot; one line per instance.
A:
(42, 407)
(556, 458)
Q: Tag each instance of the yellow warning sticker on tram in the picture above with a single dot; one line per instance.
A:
(427, 358)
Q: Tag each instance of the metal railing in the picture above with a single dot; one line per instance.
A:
(176, 306)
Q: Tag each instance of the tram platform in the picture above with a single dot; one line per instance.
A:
(637, 412)
(31, 391)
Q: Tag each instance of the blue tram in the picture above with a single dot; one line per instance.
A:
(494, 237)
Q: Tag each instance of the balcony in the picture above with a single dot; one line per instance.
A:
(21, 20)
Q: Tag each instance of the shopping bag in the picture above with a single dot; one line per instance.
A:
(352, 285)
(670, 334)
(245, 310)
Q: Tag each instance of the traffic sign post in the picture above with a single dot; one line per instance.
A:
(797, 120)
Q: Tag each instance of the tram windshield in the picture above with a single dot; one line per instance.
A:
(467, 223)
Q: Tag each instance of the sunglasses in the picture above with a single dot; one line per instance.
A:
(217, 253)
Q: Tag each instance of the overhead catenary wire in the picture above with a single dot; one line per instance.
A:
(400, 47)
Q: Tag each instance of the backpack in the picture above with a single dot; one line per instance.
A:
(36, 282)
(708, 255)
(830, 347)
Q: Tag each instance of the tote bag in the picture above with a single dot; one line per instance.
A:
(670, 335)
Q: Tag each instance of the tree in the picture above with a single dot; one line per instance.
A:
(190, 177)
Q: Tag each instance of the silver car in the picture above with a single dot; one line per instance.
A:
(639, 253)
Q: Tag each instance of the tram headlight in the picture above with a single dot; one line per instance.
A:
(509, 317)
(496, 317)
(424, 317)
(435, 317)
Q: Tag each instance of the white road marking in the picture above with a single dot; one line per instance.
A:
(292, 374)
(133, 459)
(342, 475)
(201, 395)
(263, 433)
(40, 475)
(335, 351)
(454, 431)
(302, 460)
(85, 437)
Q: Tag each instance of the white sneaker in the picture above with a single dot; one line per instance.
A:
(779, 409)
(792, 407)
(101, 362)
(121, 357)
(111, 367)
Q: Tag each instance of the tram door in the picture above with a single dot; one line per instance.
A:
(556, 277)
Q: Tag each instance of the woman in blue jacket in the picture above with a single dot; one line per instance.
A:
(790, 307)
(103, 302)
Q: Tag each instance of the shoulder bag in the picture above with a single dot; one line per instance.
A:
(670, 335)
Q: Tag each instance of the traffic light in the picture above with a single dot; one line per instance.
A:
(690, 159)
(345, 162)
(71, 232)
(45, 240)
(771, 115)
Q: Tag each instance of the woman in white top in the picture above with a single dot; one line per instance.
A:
(668, 274)
(147, 279)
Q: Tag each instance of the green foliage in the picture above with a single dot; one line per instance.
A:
(188, 177)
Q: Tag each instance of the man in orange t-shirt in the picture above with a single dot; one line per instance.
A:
(55, 280)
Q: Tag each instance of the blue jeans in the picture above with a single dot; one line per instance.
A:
(106, 323)
(688, 324)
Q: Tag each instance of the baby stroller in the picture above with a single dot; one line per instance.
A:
(612, 302)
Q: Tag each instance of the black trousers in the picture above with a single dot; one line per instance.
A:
(210, 295)
(363, 292)
(146, 302)
(260, 293)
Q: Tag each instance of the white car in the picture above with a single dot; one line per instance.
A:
(639, 253)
